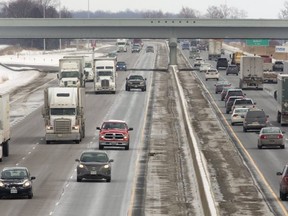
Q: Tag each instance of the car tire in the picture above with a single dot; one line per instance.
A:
(232, 123)
(206, 79)
(227, 112)
(101, 147)
(48, 142)
(79, 179)
(127, 147)
(244, 129)
(77, 141)
(30, 196)
(5, 149)
(283, 196)
(282, 146)
(108, 179)
(259, 146)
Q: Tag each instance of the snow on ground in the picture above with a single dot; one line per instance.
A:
(11, 79)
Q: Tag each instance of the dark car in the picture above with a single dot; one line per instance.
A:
(232, 69)
(94, 165)
(185, 46)
(283, 190)
(222, 63)
(135, 82)
(255, 119)
(220, 85)
(149, 49)
(121, 66)
(136, 48)
(233, 92)
(16, 182)
(230, 103)
(278, 66)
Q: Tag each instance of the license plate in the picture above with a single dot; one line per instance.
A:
(255, 123)
(93, 172)
(13, 191)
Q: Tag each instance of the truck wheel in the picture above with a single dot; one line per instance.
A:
(5, 149)
(77, 141)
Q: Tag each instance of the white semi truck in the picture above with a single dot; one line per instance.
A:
(251, 73)
(104, 75)
(214, 49)
(122, 45)
(282, 99)
(71, 71)
(63, 113)
(5, 125)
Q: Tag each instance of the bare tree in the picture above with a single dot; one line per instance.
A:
(225, 12)
(153, 14)
(284, 12)
(187, 12)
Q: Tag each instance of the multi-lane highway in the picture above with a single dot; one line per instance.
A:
(56, 191)
(262, 163)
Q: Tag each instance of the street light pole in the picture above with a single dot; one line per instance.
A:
(44, 15)
(60, 42)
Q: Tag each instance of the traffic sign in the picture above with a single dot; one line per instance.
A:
(257, 42)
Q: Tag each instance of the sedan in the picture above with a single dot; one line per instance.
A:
(204, 67)
(149, 49)
(121, 66)
(94, 165)
(211, 74)
(238, 115)
(271, 136)
(16, 182)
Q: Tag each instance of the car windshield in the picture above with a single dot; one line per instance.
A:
(104, 73)
(14, 174)
(114, 125)
(136, 77)
(241, 110)
(121, 63)
(271, 130)
(248, 102)
(94, 157)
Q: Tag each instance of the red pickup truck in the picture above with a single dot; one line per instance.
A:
(114, 133)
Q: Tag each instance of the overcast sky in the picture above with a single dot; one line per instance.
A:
(254, 8)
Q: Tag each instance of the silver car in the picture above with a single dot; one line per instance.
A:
(94, 165)
(238, 115)
(271, 136)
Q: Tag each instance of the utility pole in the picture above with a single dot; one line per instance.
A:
(44, 16)
(60, 41)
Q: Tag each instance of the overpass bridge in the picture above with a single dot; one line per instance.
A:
(144, 28)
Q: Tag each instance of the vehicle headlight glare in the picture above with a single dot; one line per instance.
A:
(2, 184)
(106, 166)
(27, 184)
(81, 165)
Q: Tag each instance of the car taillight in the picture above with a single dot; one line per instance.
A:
(263, 137)
(280, 136)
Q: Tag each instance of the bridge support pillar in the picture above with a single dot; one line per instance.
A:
(173, 51)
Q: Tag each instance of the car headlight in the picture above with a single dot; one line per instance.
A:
(81, 166)
(27, 184)
(49, 127)
(2, 184)
(106, 166)
(75, 127)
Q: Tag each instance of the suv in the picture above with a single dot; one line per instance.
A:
(278, 66)
(283, 190)
(121, 66)
(149, 49)
(222, 63)
(220, 85)
(243, 103)
(136, 82)
(255, 119)
(233, 92)
(232, 69)
(114, 133)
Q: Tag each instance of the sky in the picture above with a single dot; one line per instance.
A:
(256, 9)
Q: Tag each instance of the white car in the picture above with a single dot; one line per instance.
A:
(204, 67)
(238, 115)
(211, 74)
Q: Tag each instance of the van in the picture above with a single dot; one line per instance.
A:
(255, 119)
(222, 63)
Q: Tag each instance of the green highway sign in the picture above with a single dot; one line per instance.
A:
(257, 42)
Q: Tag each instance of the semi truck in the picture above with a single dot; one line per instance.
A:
(71, 71)
(251, 73)
(214, 49)
(282, 98)
(5, 125)
(121, 45)
(63, 114)
(105, 75)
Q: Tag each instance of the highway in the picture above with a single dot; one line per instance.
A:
(56, 191)
(262, 163)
